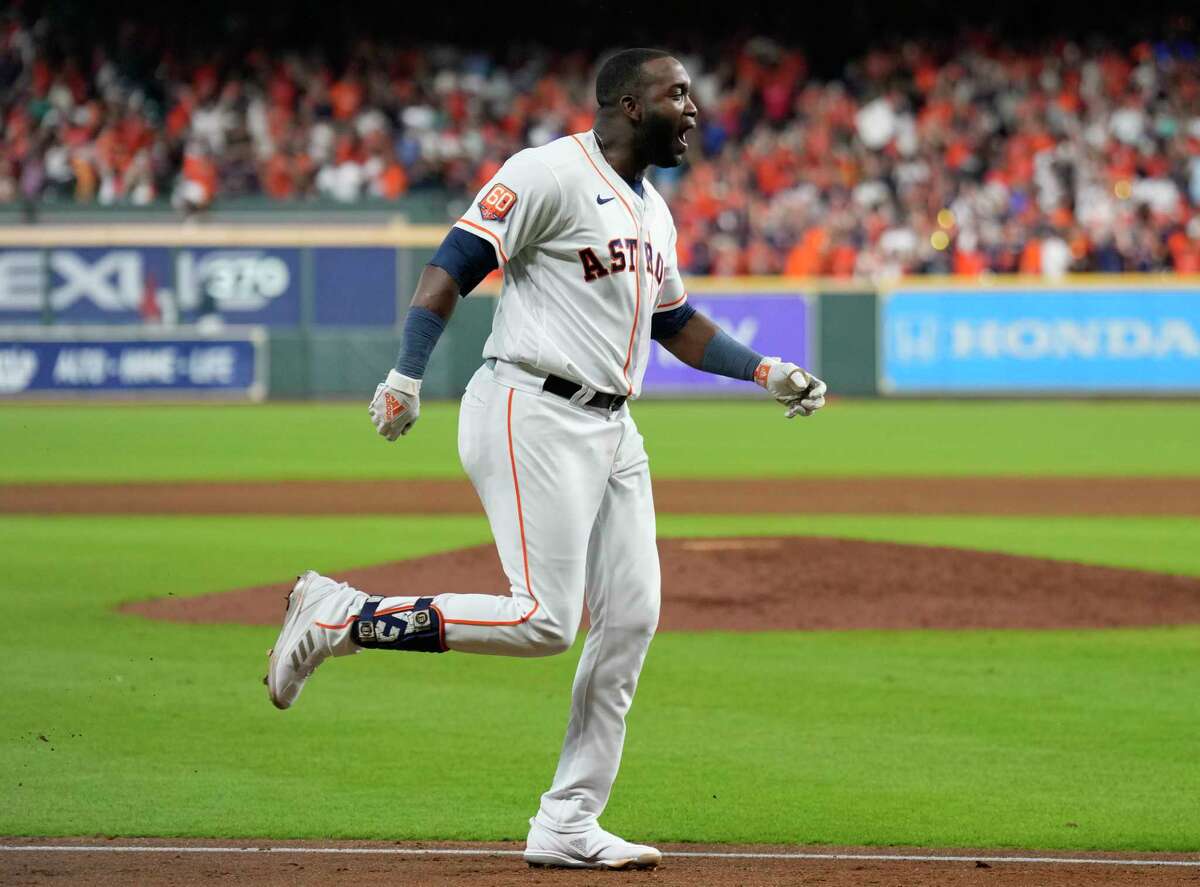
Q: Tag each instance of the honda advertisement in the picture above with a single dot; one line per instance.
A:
(1013, 341)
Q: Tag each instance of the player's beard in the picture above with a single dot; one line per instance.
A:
(657, 140)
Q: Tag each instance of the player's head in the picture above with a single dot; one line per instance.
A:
(651, 92)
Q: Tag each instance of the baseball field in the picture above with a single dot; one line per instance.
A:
(959, 630)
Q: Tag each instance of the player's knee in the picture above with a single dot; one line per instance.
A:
(636, 621)
(641, 625)
(644, 618)
(558, 642)
(647, 624)
(551, 634)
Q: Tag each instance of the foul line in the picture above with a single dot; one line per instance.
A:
(456, 851)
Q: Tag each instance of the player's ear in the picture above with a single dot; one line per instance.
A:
(632, 108)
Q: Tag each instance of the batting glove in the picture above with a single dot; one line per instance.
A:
(396, 405)
(794, 387)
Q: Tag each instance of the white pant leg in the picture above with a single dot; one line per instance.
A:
(623, 603)
(540, 466)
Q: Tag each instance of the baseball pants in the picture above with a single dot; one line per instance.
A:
(567, 492)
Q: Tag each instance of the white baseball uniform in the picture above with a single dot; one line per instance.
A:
(586, 261)
(566, 487)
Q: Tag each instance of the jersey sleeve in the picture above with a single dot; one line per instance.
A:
(672, 295)
(519, 207)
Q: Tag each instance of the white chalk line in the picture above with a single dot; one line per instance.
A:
(458, 851)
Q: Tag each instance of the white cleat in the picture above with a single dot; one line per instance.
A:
(592, 849)
(305, 641)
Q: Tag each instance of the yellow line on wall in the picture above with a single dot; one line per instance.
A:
(402, 235)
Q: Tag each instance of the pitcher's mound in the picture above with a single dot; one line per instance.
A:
(791, 583)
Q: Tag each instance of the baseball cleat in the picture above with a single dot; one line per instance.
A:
(305, 641)
(591, 849)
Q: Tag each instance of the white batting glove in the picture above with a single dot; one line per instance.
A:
(396, 405)
(794, 387)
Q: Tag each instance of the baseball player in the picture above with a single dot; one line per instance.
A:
(587, 248)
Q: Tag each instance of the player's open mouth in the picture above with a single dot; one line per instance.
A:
(681, 136)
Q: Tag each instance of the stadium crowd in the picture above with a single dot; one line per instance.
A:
(919, 159)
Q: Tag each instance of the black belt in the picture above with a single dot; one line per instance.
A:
(568, 389)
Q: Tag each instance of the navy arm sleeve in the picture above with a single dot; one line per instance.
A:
(726, 356)
(466, 258)
(422, 329)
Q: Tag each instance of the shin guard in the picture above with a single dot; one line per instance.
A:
(417, 627)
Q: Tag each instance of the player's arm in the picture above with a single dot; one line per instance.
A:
(700, 343)
(460, 263)
(516, 209)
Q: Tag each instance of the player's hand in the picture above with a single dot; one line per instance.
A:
(794, 387)
(396, 405)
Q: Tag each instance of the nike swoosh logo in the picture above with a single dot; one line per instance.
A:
(604, 201)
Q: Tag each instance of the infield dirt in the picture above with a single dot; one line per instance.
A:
(857, 495)
(285, 870)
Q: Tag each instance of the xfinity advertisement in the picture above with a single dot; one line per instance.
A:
(245, 285)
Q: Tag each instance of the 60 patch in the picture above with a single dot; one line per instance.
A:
(496, 205)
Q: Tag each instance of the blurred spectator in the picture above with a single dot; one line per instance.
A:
(197, 185)
(971, 158)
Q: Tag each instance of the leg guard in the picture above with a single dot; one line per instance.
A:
(417, 627)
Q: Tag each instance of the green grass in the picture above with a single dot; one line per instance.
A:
(697, 439)
(936, 738)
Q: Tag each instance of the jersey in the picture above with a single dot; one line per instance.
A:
(586, 261)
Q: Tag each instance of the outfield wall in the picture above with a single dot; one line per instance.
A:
(325, 304)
